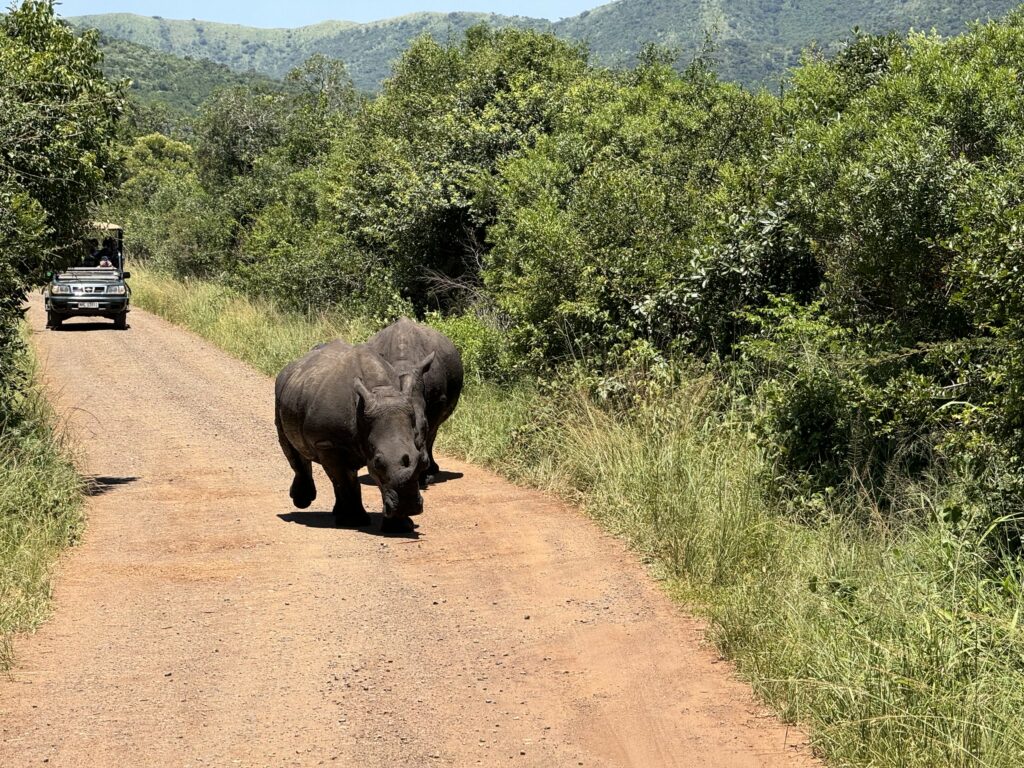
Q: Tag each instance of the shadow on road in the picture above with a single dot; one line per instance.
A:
(326, 520)
(441, 477)
(309, 519)
(89, 326)
(97, 485)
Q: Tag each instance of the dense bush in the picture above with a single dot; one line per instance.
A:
(484, 346)
(413, 181)
(600, 238)
(58, 120)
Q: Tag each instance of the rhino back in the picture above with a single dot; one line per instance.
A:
(406, 341)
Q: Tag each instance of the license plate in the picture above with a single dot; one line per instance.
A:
(88, 305)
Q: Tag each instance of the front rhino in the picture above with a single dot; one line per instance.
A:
(345, 409)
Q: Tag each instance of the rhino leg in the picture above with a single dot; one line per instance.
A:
(433, 469)
(348, 499)
(303, 490)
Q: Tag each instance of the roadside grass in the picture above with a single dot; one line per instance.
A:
(41, 504)
(895, 647)
(254, 330)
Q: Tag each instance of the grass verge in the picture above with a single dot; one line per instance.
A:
(40, 508)
(895, 647)
(253, 330)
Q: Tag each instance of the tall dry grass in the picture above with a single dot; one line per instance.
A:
(254, 330)
(40, 508)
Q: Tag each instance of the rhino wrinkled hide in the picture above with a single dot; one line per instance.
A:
(345, 407)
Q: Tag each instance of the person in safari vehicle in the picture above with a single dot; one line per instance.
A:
(96, 286)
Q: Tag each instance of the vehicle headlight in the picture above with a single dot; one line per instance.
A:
(116, 290)
(60, 290)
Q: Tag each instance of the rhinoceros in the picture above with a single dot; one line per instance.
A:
(345, 407)
(405, 342)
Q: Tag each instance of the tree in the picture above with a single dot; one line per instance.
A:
(58, 121)
(413, 180)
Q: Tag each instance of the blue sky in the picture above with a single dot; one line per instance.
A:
(274, 13)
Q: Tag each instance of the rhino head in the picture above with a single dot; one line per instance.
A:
(395, 443)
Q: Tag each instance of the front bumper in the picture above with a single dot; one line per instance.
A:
(79, 306)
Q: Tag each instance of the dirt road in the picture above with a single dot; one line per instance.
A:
(203, 621)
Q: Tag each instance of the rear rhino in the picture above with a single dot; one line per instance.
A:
(402, 344)
(345, 407)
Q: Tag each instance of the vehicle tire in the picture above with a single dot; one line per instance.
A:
(121, 321)
(52, 321)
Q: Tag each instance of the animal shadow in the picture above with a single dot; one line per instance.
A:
(97, 485)
(326, 520)
(441, 477)
(445, 476)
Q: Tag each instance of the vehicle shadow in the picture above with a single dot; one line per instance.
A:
(89, 326)
(97, 485)
(326, 520)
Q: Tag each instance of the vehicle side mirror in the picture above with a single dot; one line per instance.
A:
(125, 275)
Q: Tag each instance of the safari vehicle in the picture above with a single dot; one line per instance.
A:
(96, 286)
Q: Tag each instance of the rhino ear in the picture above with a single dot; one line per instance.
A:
(362, 393)
(425, 363)
(405, 383)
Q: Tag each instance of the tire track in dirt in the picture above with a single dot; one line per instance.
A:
(202, 621)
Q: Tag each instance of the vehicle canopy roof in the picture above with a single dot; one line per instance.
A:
(104, 226)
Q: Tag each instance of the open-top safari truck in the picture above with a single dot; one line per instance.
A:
(96, 286)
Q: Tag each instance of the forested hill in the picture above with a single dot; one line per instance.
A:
(367, 49)
(757, 38)
(177, 83)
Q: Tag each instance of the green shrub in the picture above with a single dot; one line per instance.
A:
(841, 415)
(40, 506)
(600, 226)
(485, 349)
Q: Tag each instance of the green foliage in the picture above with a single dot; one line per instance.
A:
(307, 265)
(233, 130)
(169, 218)
(172, 84)
(40, 506)
(57, 129)
(413, 180)
(842, 415)
(600, 224)
(486, 353)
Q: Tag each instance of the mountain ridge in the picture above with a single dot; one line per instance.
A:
(756, 39)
